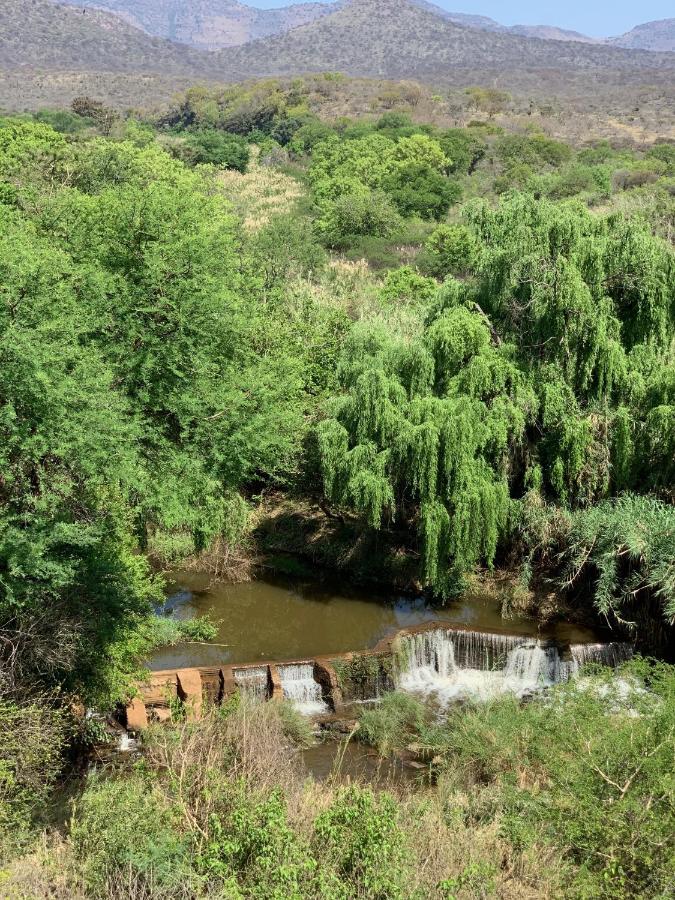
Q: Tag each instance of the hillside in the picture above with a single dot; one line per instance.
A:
(659, 35)
(397, 39)
(208, 24)
(551, 33)
(484, 23)
(214, 24)
(36, 33)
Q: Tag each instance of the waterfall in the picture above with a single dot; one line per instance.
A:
(252, 682)
(456, 665)
(602, 654)
(300, 687)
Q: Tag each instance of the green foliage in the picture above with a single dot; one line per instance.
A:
(33, 736)
(255, 847)
(589, 771)
(408, 170)
(143, 385)
(421, 422)
(360, 831)
(405, 285)
(63, 120)
(228, 151)
(463, 148)
(357, 213)
(450, 250)
(128, 824)
(393, 723)
(628, 544)
(553, 356)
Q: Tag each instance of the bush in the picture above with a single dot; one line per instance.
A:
(31, 743)
(367, 213)
(464, 149)
(392, 723)
(420, 191)
(127, 824)
(407, 286)
(360, 835)
(665, 153)
(589, 771)
(217, 148)
(450, 250)
(64, 120)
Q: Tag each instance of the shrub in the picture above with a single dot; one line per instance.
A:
(31, 743)
(360, 834)
(127, 824)
(392, 723)
(217, 148)
(450, 250)
(463, 149)
(407, 285)
(367, 213)
(589, 771)
(665, 153)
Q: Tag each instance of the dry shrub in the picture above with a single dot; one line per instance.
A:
(45, 874)
(197, 761)
(233, 563)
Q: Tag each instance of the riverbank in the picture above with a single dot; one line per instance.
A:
(535, 800)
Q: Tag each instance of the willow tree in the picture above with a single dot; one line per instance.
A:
(590, 303)
(424, 433)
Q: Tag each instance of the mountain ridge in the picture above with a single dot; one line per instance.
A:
(370, 38)
(657, 36)
(217, 24)
(399, 39)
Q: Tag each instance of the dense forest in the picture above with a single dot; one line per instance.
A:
(459, 344)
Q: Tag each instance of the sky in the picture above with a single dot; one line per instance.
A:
(598, 18)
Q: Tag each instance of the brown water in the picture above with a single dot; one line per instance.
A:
(351, 761)
(288, 618)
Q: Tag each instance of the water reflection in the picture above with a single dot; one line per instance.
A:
(284, 618)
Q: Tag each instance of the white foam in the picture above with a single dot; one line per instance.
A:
(300, 687)
(497, 664)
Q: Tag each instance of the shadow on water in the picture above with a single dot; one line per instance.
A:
(282, 617)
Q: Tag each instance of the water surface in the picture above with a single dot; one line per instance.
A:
(287, 618)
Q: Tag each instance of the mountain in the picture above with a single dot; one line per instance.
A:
(207, 24)
(398, 39)
(551, 33)
(374, 38)
(483, 23)
(659, 35)
(38, 34)
(214, 24)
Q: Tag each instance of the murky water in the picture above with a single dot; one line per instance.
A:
(342, 761)
(285, 618)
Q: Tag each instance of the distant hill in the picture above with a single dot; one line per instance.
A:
(551, 33)
(398, 39)
(207, 24)
(484, 23)
(38, 34)
(659, 35)
(214, 24)
(393, 39)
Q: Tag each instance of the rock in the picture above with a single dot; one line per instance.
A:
(137, 716)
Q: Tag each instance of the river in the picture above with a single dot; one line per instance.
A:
(289, 618)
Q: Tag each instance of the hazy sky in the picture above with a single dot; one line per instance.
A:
(599, 19)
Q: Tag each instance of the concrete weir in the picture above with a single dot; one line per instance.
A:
(446, 662)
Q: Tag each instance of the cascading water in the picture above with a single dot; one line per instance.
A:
(300, 687)
(612, 654)
(449, 665)
(252, 682)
